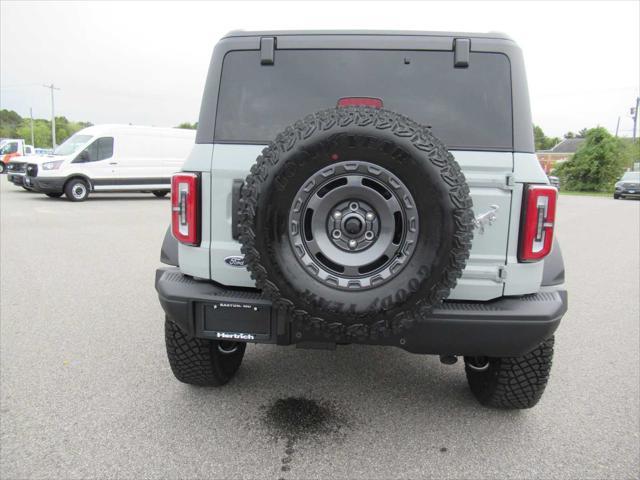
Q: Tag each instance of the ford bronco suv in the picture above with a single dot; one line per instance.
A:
(363, 187)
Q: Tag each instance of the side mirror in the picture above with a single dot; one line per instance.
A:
(83, 157)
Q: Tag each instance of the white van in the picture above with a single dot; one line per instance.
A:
(111, 158)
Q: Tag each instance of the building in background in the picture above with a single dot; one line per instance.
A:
(562, 152)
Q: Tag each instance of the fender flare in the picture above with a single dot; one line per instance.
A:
(553, 272)
(169, 250)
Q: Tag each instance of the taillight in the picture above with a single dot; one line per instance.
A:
(360, 102)
(185, 203)
(536, 238)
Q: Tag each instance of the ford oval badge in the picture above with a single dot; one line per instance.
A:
(235, 261)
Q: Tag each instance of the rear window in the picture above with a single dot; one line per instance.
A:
(467, 108)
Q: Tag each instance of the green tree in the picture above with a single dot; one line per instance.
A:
(542, 142)
(9, 121)
(597, 164)
(569, 135)
(188, 126)
(42, 130)
(583, 133)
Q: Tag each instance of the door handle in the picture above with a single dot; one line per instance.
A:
(113, 163)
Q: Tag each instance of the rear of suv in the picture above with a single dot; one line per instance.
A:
(375, 188)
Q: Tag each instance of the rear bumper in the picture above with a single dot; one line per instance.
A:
(45, 184)
(509, 326)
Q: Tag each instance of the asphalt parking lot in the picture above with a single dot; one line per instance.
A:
(86, 390)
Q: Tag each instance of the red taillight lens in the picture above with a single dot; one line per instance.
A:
(185, 203)
(539, 218)
(360, 102)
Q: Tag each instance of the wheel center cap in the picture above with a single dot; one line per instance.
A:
(353, 226)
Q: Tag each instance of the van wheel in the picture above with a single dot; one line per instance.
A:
(616, 196)
(3, 167)
(160, 193)
(201, 362)
(54, 194)
(510, 382)
(76, 190)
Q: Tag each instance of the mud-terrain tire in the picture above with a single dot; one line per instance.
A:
(199, 361)
(511, 382)
(428, 184)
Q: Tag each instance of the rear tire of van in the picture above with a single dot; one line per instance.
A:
(511, 382)
(76, 190)
(160, 193)
(197, 361)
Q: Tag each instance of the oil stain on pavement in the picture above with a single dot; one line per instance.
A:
(298, 419)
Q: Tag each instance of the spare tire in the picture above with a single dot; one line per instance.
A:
(357, 221)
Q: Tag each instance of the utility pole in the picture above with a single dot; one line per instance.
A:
(618, 126)
(33, 143)
(53, 116)
(634, 112)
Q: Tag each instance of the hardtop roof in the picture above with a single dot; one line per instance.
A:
(406, 33)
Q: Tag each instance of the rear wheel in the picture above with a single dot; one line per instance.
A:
(76, 190)
(616, 196)
(3, 167)
(199, 361)
(160, 193)
(54, 194)
(510, 382)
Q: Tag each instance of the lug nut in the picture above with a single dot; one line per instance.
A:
(369, 216)
(353, 244)
(337, 214)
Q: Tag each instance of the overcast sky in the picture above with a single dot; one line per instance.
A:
(145, 63)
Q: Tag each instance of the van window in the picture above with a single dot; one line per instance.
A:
(101, 149)
(467, 108)
(10, 147)
(72, 144)
(105, 148)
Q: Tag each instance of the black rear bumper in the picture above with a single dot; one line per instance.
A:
(509, 326)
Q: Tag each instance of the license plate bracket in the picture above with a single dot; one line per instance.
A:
(235, 321)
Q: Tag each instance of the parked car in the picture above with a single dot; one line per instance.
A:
(11, 148)
(627, 186)
(111, 158)
(554, 181)
(320, 206)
